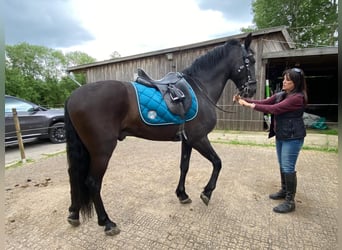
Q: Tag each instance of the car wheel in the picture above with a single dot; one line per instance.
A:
(57, 133)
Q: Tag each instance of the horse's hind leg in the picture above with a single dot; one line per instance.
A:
(98, 168)
(184, 167)
(74, 210)
(204, 148)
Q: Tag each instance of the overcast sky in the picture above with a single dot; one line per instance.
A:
(100, 27)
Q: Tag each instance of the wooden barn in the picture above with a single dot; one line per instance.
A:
(266, 42)
(320, 67)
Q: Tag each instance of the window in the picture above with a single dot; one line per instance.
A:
(19, 105)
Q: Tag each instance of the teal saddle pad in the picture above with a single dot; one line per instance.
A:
(153, 109)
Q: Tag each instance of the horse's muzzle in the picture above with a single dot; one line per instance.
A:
(248, 89)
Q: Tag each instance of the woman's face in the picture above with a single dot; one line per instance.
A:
(288, 84)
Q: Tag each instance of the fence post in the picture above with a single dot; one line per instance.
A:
(18, 131)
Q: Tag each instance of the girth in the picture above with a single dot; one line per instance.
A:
(174, 89)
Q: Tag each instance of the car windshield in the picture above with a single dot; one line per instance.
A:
(19, 105)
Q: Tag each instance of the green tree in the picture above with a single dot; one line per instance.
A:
(311, 23)
(38, 73)
(73, 59)
(114, 55)
(77, 58)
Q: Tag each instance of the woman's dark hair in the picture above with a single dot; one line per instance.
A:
(297, 76)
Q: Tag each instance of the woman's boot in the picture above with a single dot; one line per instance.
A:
(282, 192)
(291, 185)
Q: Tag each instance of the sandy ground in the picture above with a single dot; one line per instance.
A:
(138, 193)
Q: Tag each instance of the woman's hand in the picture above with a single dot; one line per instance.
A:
(236, 98)
(242, 102)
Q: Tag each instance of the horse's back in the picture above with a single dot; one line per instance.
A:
(97, 95)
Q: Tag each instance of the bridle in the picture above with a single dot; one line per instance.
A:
(246, 61)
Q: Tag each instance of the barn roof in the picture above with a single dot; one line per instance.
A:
(302, 52)
(255, 35)
(313, 60)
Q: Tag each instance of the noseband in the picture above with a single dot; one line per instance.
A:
(246, 61)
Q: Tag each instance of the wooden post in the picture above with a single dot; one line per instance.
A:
(18, 131)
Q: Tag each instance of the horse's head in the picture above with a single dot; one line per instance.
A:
(244, 74)
(232, 60)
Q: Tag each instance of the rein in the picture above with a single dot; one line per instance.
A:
(198, 85)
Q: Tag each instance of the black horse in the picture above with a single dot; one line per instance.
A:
(99, 114)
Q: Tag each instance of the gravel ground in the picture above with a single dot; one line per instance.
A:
(138, 193)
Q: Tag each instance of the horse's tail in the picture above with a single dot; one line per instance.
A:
(78, 161)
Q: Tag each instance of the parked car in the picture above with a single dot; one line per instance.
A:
(35, 121)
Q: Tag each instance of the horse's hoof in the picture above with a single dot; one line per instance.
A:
(112, 231)
(185, 201)
(74, 222)
(205, 199)
(74, 219)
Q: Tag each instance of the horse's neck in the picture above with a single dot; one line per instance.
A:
(214, 88)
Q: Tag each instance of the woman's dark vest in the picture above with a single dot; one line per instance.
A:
(289, 125)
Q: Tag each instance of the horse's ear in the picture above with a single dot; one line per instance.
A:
(248, 40)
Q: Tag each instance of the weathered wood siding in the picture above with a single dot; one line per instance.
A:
(158, 64)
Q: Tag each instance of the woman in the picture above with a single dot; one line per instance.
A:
(286, 109)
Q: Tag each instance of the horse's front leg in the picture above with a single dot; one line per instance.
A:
(184, 167)
(204, 148)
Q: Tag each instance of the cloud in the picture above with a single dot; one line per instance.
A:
(129, 27)
(232, 10)
(132, 26)
(42, 22)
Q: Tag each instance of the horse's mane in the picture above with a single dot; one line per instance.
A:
(212, 57)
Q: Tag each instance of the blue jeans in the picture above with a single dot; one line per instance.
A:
(287, 152)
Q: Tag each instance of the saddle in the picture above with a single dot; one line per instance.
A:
(174, 89)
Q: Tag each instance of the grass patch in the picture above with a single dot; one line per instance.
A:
(235, 142)
(324, 132)
(246, 143)
(55, 154)
(18, 164)
(329, 131)
(28, 161)
(242, 143)
(322, 149)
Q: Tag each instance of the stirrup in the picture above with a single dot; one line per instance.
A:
(176, 94)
